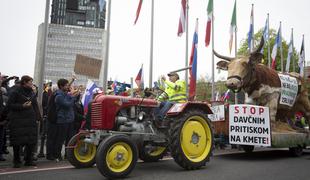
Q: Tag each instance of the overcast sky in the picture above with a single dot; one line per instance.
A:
(130, 45)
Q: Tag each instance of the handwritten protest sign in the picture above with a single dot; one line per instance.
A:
(87, 66)
(249, 125)
(289, 90)
(218, 113)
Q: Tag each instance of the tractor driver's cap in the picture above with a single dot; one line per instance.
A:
(173, 74)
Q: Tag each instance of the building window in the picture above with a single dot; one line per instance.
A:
(79, 22)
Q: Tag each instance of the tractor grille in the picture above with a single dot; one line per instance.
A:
(96, 116)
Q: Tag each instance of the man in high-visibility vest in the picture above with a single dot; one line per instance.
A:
(175, 93)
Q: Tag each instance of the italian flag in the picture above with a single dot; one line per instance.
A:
(233, 27)
(208, 28)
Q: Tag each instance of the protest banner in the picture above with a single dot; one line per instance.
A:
(249, 125)
(289, 90)
(87, 66)
(218, 113)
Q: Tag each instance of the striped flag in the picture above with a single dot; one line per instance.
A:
(209, 23)
(251, 31)
(265, 34)
(302, 58)
(88, 94)
(289, 54)
(182, 20)
(139, 79)
(233, 27)
(138, 11)
(278, 40)
(193, 63)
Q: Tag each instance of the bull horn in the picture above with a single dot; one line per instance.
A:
(223, 57)
(261, 45)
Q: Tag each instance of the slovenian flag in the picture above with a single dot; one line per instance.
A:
(275, 48)
(88, 94)
(138, 11)
(182, 20)
(209, 23)
(139, 79)
(251, 31)
(193, 63)
(266, 33)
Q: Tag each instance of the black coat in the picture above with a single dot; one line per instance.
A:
(23, 121)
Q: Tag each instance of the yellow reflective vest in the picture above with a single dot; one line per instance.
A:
(176, 92)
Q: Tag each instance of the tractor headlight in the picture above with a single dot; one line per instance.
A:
(141, 116)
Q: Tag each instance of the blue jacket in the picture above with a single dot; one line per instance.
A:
(64, 107)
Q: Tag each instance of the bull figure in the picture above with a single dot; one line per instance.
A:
(262, 85)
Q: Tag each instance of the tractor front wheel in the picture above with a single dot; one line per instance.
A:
(79, 153)
(116, 156)
(191, 140)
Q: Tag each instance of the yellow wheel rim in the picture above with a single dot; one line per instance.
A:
(159, 150)
(196, 139)
(119, 157)
(85, 152)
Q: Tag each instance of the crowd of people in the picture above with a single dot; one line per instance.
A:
(61, 118)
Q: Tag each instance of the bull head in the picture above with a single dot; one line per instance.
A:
(240, 68)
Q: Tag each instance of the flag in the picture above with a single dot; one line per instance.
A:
(139, 79)
(233, 27)
(182, 19)
(289, 54)
(265, 34)
(193, 63)
(301, 58)
(209, 23)
(138, 11)
(88, 94)
(225, 96)
(114, 87)
(278, 40)
(251, 31)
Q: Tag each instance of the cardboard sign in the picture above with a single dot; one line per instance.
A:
(87, 66)
(249, 125)
(218, 113)
(289, 90)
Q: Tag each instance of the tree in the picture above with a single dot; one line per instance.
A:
(243, 50)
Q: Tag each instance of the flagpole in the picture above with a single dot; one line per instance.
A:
(186, 47)
(281, 49)
(106, 59)
(268, 44)
(42, 66)
(151, 46)
(303, 41)
(253, 29)
(212, 29)
(236, 53)
(292, 57)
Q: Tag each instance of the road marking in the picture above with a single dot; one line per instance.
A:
(36, 170)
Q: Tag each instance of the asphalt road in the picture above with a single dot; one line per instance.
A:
(263, 165)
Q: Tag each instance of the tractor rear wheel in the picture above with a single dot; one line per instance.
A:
(149, 153)
(116, 156)
(191, 139)
(79, 153)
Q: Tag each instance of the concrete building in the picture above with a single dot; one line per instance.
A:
(64, 42)
(86, 13)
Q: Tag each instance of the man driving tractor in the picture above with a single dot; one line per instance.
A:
(175, 92)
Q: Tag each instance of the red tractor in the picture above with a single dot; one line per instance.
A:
(125, 129)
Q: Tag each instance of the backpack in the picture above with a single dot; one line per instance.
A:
(51, 109)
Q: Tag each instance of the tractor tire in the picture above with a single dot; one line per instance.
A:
(247, 148)
(153, 155)
(116, 156)
(191, 139)
(83, 154)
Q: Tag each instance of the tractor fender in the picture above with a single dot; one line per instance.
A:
(179, 108)
(80, 133)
